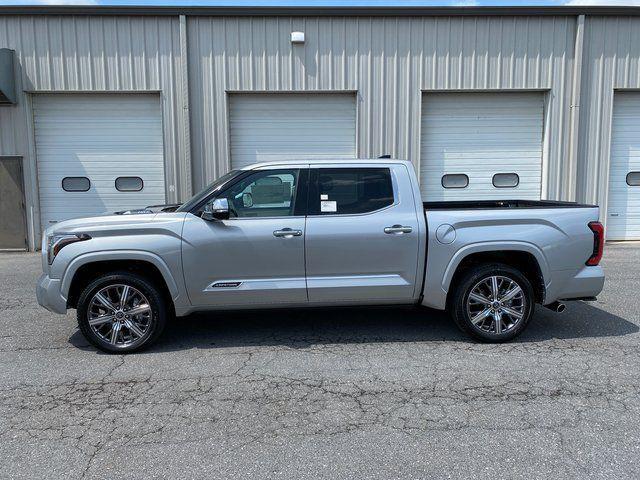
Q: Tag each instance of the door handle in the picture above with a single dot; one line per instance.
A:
(287, 233)
(398, 230)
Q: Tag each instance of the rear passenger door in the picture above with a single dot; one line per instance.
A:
(361, 235)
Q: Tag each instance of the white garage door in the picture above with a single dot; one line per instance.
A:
(266, 127)
(97, 153)
(481, 146)
(623, 206)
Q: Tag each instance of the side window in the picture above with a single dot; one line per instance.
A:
(350, 190)
(268, 193)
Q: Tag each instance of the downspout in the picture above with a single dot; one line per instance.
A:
(574, 125)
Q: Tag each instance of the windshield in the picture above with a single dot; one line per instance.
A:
(198, 197)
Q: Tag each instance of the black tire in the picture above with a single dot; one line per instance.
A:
(154, 324)
(460, 311)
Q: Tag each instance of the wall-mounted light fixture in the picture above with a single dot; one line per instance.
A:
(297, 37)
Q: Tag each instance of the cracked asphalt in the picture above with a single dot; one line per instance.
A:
(334, 393)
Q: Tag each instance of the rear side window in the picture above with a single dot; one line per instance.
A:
(340, 191)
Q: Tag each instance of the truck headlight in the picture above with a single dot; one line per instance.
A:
(57, 241)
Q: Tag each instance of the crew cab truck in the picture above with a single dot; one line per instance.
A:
(319, 233)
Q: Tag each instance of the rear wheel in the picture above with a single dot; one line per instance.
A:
(493, 303)
(121, 312)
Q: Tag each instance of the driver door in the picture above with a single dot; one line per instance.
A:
(256, 257)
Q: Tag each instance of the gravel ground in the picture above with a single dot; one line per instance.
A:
(343, 393)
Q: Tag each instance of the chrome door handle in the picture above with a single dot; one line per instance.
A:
(398, 230)
(287, 233)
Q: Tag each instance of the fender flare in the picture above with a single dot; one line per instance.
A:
(482, 247)
(107, 255)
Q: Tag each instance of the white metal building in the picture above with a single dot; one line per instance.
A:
(109, 108)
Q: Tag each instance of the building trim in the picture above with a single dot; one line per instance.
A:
(574, 123)
(485, 90)
(184, 120)
(100, 92)
(342, 11)
(30, 173)
(307, 91)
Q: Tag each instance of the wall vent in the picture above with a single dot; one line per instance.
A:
(7, 77)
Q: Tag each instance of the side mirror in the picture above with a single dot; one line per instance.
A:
(216, 210)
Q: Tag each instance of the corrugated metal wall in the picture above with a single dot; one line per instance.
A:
(389, 61)
(100, 53)
(611, 61)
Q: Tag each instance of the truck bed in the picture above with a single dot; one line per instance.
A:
(501, 204)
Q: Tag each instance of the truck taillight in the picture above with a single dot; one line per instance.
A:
(598, 243)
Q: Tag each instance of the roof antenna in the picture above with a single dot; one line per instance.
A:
(385, 156)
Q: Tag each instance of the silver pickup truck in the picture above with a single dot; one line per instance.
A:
(318, 233)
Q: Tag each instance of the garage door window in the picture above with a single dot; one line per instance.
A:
(455, 180)
(350, 190)
(76, 184)
(633, 179)
(506, 180)
(129, 184)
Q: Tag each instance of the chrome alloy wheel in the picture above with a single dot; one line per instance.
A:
(496, 304)
(120, 315)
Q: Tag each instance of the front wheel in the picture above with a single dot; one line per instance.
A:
(121, 312)
(493, 303)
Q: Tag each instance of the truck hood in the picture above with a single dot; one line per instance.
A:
(106, 223)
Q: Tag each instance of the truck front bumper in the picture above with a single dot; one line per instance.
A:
(49, 295)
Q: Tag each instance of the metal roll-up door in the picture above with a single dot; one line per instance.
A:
(97, 153)
(481, 146)
(623, 205)
(276, 126)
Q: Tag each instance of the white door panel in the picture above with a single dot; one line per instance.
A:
(623, 204)
(480, 135)
(274, 126)
(100, 137)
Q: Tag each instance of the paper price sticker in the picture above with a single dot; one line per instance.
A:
(328, 206)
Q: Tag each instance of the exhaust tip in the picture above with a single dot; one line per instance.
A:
(556, 307)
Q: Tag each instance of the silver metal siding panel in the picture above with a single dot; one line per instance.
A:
(101, 53)
(389, 61)
(611, 61)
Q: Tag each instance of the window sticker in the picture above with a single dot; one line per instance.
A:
(324, 196)
(328, 206)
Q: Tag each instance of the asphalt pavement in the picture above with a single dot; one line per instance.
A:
(380, 393)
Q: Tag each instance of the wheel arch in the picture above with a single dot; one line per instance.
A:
(85, 268)
(526, 258)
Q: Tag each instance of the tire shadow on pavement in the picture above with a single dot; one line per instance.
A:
(301, 328)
